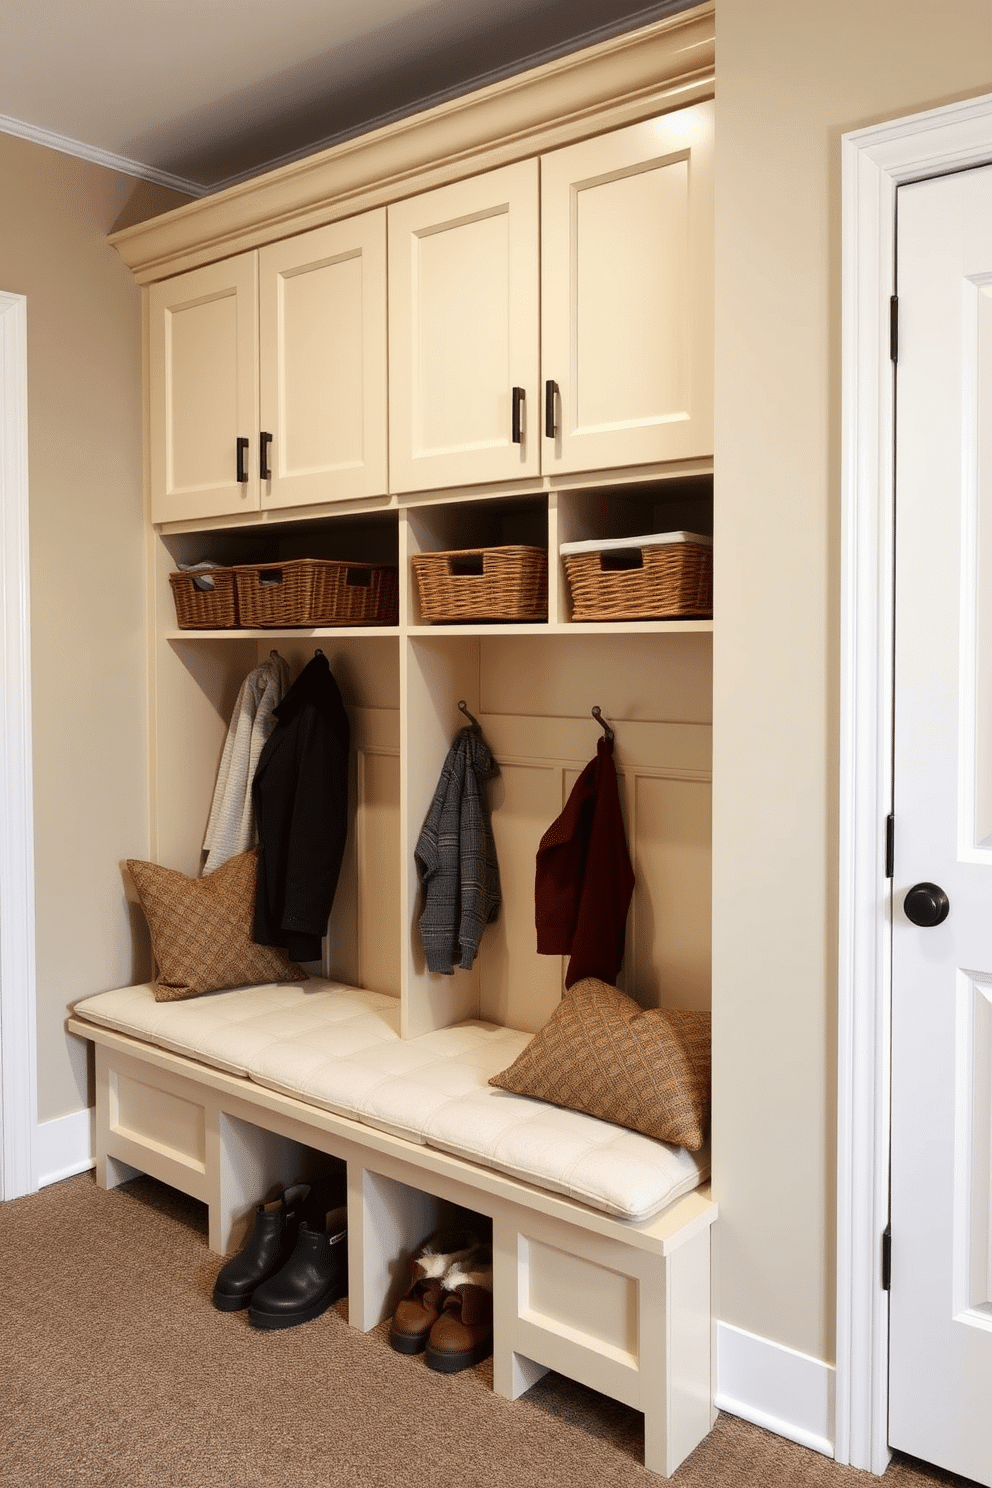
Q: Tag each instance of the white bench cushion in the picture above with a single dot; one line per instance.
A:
(396, 1088)
(605, 1166)
(339, 1048)
(229, 1029)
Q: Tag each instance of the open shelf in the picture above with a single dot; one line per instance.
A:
(292, 633)
(494, 631)
(572, 628)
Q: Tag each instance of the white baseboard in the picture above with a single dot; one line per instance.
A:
(775, 1387)
(65, 1146)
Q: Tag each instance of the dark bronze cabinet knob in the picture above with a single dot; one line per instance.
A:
(926, 904)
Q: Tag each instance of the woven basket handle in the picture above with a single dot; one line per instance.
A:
(618, 560)
(470, 567)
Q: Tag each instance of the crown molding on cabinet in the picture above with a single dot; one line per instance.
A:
(660, 67)
(645, 17)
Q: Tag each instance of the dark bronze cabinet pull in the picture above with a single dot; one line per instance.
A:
(242, 461)
(518, 402)
(550, 421)
(264, 440)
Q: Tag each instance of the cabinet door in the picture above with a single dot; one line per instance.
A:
(204, 391)
(627, 294)
(322, 377)
(463, 332)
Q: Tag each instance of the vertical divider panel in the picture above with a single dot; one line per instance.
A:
(387, 1220)
(245, 1163)
(407, 545)
(434, 675)
(558, 606)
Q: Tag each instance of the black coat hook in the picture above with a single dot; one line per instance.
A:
(597, 713)
(463, 708)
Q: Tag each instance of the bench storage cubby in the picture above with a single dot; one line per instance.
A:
(619, 1304)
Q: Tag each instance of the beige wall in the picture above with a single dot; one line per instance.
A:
(791, 78)
(87, 578)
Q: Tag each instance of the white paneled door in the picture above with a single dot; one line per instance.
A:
(941, 1208)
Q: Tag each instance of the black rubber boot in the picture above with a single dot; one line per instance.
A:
(315, 1275)
(266, 1251)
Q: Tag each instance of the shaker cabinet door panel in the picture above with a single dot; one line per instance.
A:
(322, 309)
(627, 300)
(463, 332)
(204, 394)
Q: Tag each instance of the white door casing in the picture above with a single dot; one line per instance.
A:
(875, 162)
(18, 1074)
(940, 1306)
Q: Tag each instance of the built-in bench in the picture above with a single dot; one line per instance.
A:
(601, 1236)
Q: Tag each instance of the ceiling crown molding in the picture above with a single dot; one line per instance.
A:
(96, 156)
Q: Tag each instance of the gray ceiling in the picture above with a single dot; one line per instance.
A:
(205, 92)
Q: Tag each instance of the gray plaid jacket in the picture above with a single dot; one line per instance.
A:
(456, 858)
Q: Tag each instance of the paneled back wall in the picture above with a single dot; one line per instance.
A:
(536, 695)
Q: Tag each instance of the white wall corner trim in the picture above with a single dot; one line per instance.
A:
(775, 1387)
(875, 162)
(65, 1146)
(18, 1034)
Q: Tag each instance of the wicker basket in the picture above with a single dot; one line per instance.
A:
(215, 608)
(316, 591)
(482, 584)
(649, 578)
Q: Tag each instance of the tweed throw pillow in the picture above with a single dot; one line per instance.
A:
(602, 1053)
(201, 930)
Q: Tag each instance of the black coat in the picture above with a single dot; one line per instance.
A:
(300, 794)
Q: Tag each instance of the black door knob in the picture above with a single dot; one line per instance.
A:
(926, 904)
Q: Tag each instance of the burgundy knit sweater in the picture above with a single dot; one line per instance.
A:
(584, 877)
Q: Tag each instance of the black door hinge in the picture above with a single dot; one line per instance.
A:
(894, 328)
(890, 846)
(886, 1258)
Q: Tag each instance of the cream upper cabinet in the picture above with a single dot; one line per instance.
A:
(463, 332)
(623, 253)
(322, 368)
(203, 385)
(550, 316)
(627, 295)
(268, 376)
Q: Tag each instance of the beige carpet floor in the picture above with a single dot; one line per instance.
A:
(115, 1370)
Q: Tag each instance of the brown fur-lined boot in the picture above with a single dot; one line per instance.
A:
(463, 1332)
(420, 1307)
